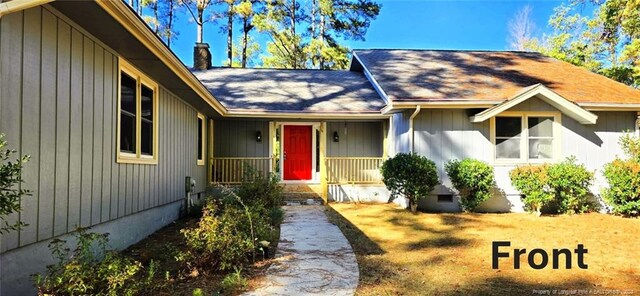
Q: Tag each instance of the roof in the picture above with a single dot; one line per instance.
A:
(448, 75)
(301, 91)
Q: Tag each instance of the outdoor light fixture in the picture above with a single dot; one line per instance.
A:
(259, 137)
(336, 138)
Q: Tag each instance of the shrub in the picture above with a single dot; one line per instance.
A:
(623, 193)
(10, 191)
(533, 183)
(411, 175)
(233, 282)
(623, 177)
(558, 188)
(570, 184)
(260, 188)
(83, 271)
(473, 179)
(217, 241)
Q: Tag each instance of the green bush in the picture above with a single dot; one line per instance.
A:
(570, 183)
(623, 193)
(411, 175)
(533, 183)
(89, 269)
(555, 188)
(216, 242)
(10, 191)
(473, 179)
(623, 177)
(233, 283)
(260, 188)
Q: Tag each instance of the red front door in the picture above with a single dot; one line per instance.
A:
(297, 152)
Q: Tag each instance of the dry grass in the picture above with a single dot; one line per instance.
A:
(402, 253)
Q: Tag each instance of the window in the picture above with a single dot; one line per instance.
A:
(137, 119)
(200, 144)
(526, 137)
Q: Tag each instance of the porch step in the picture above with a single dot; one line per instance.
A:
(298, 198)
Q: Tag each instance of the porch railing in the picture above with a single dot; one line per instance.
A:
(354, 170)
(231, 170)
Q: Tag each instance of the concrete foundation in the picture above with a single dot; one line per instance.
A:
(17, 266)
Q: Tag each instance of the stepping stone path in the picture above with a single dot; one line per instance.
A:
(313, 257)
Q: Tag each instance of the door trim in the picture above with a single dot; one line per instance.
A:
(315, 176)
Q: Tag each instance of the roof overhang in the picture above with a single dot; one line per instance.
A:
(248, 113)
(18, 5)
(550, 97)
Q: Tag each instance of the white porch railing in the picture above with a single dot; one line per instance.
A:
(231, 170)
(354, 170)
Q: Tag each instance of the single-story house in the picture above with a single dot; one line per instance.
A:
(121, 133)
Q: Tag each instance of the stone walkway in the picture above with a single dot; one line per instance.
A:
(313, 257)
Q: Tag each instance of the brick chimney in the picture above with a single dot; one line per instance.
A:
(201, 56)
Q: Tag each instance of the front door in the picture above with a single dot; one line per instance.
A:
(297, 152)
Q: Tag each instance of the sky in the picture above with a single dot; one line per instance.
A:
(414, 24)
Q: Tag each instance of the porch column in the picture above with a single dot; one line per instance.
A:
(323, 165)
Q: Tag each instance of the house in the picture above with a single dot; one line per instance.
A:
(119, 128)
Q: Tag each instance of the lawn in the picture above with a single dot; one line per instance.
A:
(403, 253)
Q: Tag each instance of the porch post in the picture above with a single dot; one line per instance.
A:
(272, 142)
(323, 166)
(385, 140)
(210, 152)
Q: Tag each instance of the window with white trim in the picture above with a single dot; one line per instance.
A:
(526, 137)
(137, 117)
(201, 137)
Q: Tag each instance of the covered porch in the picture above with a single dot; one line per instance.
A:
(336, 160)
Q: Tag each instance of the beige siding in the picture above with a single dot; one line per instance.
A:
(58, 105)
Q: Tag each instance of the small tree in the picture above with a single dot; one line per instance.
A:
(411, 175)
(10, 191)
(473, 179)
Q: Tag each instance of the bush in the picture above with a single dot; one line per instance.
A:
(216, 242)
(623, 177)
(570, 184)
(10, 191)
(83, 272)
(533, 183)
(623, 193)
(558, 188)
(258, 188)
(473, 179)
(410, 175)
(233, 283)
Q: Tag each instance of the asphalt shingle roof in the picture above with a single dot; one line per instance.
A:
(303, 91)
(444, 75)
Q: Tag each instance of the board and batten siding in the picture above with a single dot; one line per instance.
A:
(356, 139)
(59, 105)
(400, 132)
(444, 134)
(237, 138)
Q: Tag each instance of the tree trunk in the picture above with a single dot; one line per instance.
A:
(170, 23)
(294, 49)
(199, 23)
(230, 35)
(245, 41)
(322, 31)
(155, 16)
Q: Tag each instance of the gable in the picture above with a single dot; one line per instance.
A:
(544, 94)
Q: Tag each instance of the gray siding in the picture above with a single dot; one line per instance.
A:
(356, 139)
(400, 133)
(58, 105)
(444, 134)
(237, 138)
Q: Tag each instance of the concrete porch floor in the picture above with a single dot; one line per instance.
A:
(313, 257)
